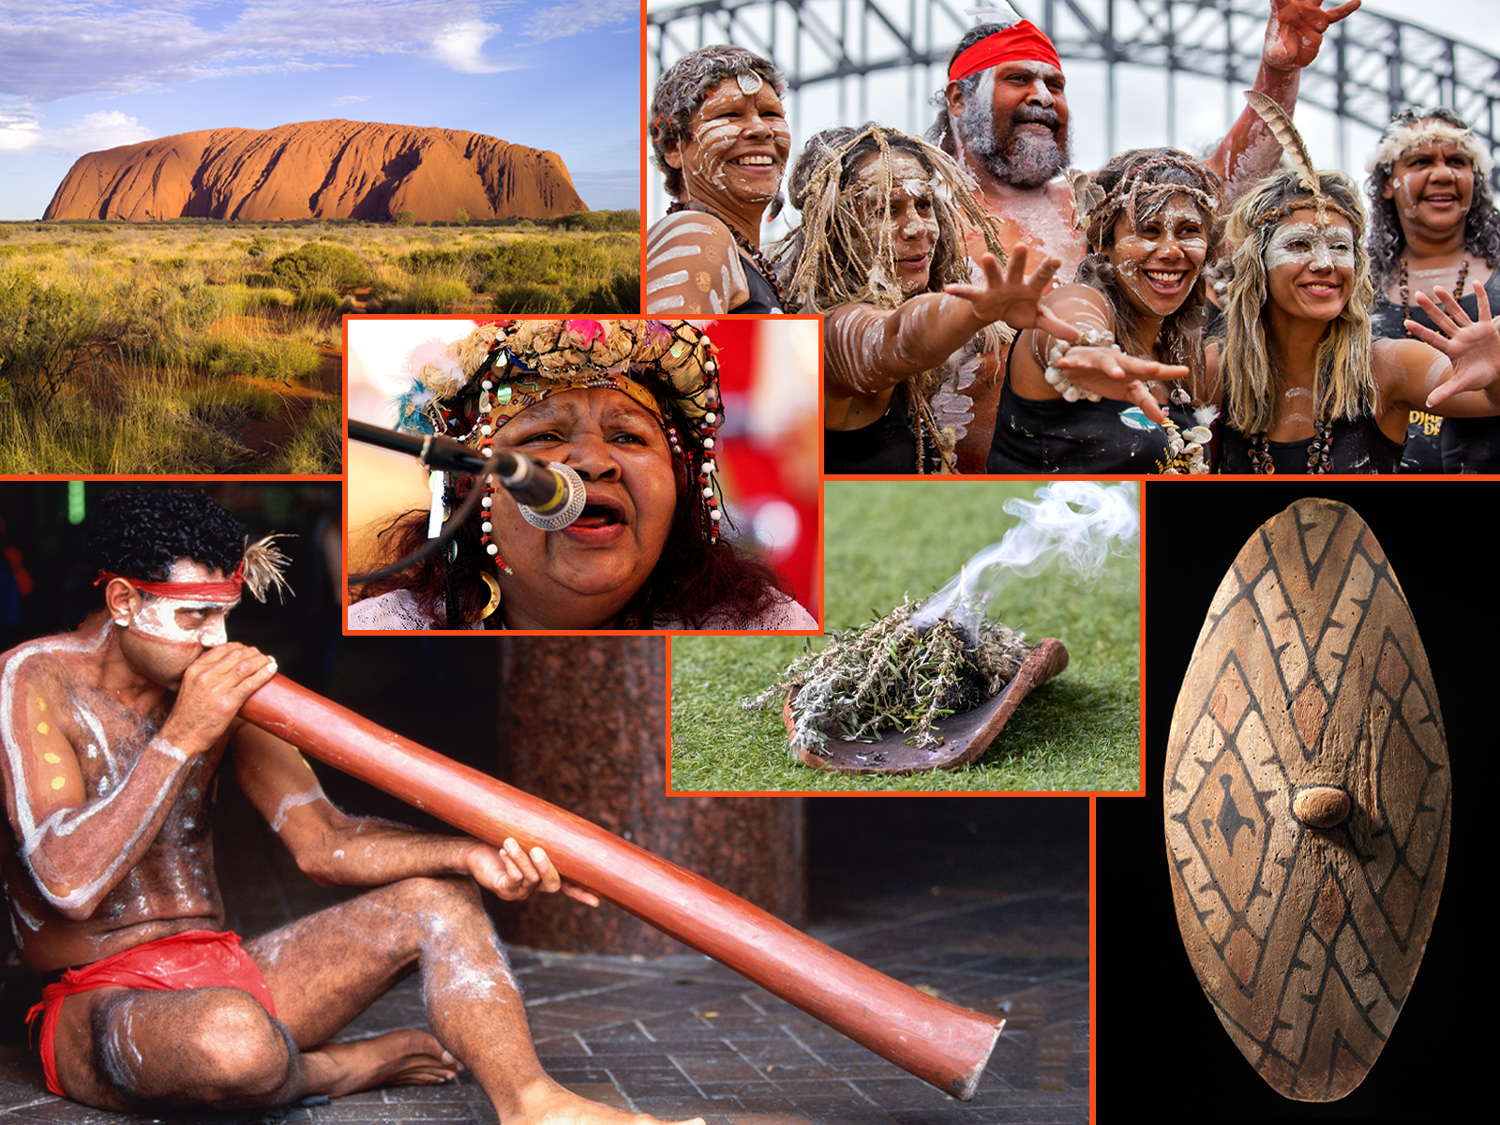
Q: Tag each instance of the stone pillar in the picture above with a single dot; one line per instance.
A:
(583, 725)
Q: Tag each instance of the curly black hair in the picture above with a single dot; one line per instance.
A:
(1386, 238)
(141, 533)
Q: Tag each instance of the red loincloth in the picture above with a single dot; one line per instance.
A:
(195, 959)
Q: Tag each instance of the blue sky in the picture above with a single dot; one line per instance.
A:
(77, 77)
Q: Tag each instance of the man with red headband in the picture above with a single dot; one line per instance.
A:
(1005, 116)
(115, 737)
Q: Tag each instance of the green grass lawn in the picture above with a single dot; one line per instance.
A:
(884, 540)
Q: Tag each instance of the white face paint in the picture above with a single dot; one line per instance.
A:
(906, 220)
(173, 620)
(1311, 245)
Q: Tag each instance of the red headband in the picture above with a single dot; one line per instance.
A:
(1023, 42)
(227, 591)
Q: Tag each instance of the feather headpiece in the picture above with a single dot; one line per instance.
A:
(1297, 156)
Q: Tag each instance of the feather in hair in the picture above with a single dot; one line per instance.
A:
(264, 567)
(1286, 135)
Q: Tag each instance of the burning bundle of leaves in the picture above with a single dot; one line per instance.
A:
(892, 675)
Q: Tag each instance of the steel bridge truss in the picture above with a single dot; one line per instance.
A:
(1369, 67)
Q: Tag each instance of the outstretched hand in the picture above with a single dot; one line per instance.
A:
(513, 873)
(1011, 296)
(1472, 346)
(1295, 34)
(1110, 373)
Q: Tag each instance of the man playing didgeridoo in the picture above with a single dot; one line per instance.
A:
(114, 737)
(1004, 115)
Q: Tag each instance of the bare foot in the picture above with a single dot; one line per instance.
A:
(546, 1103)
(397, 1058)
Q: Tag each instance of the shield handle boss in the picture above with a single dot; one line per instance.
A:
(1320, 806)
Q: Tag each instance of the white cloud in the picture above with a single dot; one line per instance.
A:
(351, 99)
(460, 47)
(57, 50)
(96, 132)
(19, 131)
(572, 17)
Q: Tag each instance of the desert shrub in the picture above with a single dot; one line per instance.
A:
(317, 446)
(621, 294)
(425, 294)
(530, 299)
(319, 265)
(598, 221)
(405, 219)
(44, 332)
(316, 300)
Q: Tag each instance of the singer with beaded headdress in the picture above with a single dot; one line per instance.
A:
(634, 408)
(881, 253)
(1433, 222)
(1306, 387)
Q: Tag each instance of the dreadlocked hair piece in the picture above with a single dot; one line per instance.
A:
(1345, 385)
(829, 259)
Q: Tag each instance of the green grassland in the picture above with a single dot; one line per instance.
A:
(200, 346)
(882, 542)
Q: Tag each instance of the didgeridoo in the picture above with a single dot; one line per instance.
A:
(939, 1042)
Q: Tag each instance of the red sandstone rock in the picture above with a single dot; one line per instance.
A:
(317, 169)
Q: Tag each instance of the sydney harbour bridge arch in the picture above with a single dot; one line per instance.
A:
(1139, 71)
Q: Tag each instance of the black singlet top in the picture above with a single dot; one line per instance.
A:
(886, 445)
(1055, 436)
(1444, 445)
(1358, 447)
(762, 297)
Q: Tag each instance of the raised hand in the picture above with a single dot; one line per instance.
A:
(1011, 296)
(1295, 33)
(1472, 346)
(513, 873)
(1110, 373)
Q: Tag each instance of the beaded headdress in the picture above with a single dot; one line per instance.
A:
(470, 388)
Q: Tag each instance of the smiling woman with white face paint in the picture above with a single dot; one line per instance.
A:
(1433, 222)
(1104, 400)
(719, 135)
(1306, 388)
(881, 253)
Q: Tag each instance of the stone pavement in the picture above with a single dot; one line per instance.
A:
(989, 911)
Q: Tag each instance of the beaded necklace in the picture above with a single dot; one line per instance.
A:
(762, 266)
(1458, 290)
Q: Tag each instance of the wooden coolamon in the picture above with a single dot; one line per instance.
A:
(1307, 801)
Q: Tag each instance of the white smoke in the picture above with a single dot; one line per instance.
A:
(1079, 524)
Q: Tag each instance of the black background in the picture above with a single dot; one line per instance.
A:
(1161, 1052)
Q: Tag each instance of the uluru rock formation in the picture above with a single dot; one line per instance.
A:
(317, 169)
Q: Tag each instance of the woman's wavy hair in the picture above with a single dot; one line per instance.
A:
(685, 85)
(1481, 230)
(1138, 184)
(694, 582)
(1345, 386)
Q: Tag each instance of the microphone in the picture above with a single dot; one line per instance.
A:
(551, 495)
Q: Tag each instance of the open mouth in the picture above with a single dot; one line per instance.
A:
(754, 161)
(600, 513)
(1166, 281)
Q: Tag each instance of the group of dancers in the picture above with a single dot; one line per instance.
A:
(1243, 313)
